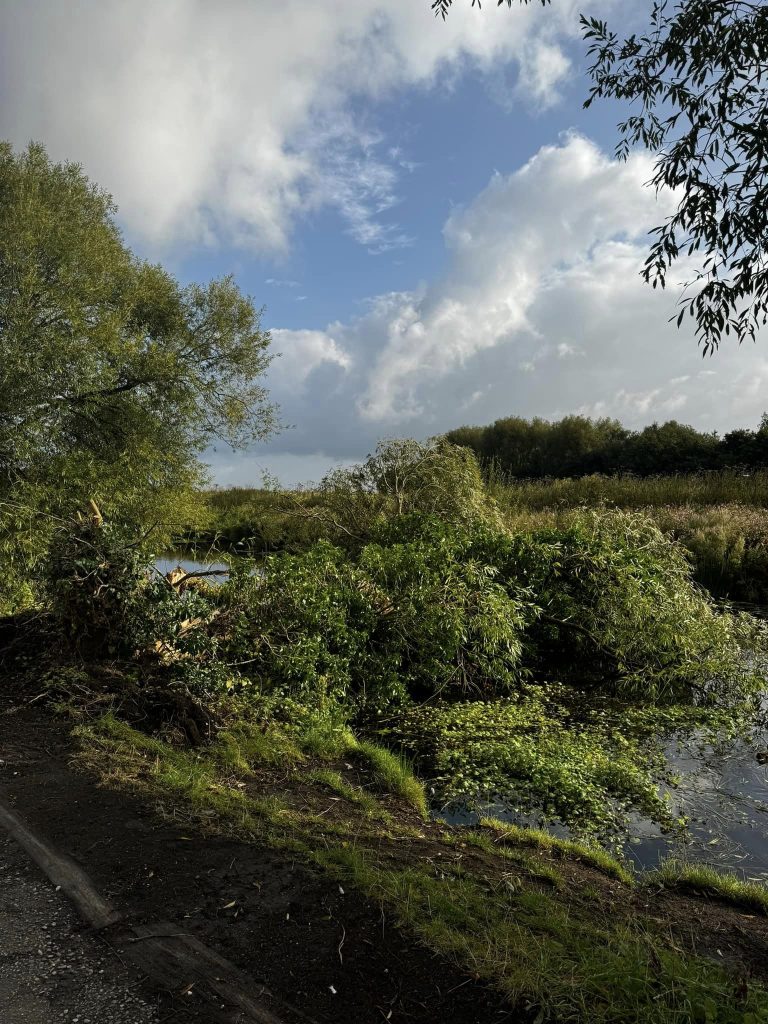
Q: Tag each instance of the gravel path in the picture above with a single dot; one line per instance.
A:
(51, 972)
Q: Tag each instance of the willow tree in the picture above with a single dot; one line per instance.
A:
(113, 377)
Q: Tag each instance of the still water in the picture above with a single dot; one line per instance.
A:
(168, 562)
(723, 793)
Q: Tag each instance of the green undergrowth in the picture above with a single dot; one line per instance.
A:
(707, 881)
(566, 947)
(393, 774)
(531, 753)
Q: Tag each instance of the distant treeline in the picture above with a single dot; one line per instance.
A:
(578, 446)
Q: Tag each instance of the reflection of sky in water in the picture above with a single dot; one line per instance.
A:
(722, 792)
(724, 795)
(167, 563)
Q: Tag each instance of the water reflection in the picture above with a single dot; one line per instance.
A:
(724, 794)
(169, 561)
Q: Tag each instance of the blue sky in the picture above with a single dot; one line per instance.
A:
(437, 228)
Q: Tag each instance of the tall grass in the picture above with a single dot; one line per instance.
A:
(630, 492)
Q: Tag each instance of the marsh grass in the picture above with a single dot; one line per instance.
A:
(630, 492)
(394, 774)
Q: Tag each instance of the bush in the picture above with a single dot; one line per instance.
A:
(618, 608)
(399, 621)
(403, 477)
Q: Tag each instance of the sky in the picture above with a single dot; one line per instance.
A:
(437, 229)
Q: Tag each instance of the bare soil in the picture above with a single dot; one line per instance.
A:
(324, 949)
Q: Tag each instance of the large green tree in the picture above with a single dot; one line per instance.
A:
(695, 81)
(113, 377)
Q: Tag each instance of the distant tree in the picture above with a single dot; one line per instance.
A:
(577, 446)
(112, 376)
(698, 79)
(669, 447)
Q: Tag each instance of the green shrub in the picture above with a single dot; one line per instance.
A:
(402, 477)
(398, 621)
(108, 602)
(618, 607)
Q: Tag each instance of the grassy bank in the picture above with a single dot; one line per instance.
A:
(562, 930)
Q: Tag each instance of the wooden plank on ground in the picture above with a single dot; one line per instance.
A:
(170, 956)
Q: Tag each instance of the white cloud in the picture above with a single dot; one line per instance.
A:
(544, 68)
(518, 237)
(300, 354)
(211, 121)
(540, 311)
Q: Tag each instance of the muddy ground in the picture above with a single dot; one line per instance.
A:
(326, 950)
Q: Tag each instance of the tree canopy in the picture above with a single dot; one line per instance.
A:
(113, 376)
(696, 82)
(576, 446)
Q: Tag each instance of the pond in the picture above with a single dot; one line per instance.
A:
(722, 791)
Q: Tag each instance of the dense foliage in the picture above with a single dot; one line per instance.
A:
(114, 376)
(110, 602)
(438, 619)
(428, 608)
(401, 478)
(516, 448)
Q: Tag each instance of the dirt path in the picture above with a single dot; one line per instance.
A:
(325, 950)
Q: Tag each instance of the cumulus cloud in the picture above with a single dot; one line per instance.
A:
(540, 311)
(508, 246)
(230, 121)
(300, 353)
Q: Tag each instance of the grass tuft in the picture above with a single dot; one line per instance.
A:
(591, 855)
(335, 782)
(393, 774)
(707, 881)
